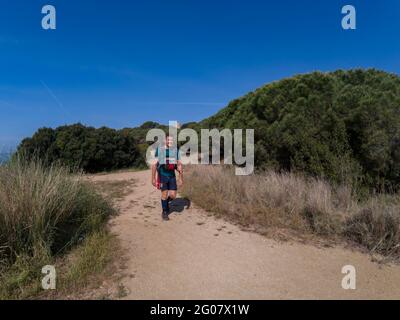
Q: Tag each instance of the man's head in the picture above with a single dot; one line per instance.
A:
(169, 141)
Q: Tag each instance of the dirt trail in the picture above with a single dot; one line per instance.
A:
(195, 256)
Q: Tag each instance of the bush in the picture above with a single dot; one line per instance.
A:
(45, 210)
(377, 227)
(341, 126)
(78, 146)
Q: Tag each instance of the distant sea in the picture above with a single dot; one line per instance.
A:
(4, 156)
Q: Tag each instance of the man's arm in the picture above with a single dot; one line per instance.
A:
(154, 174)
(154, 170)
(180, 171)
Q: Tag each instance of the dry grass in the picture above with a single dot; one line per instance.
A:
(44, 213)
(376, 225)
(295, 202)
(86, 268)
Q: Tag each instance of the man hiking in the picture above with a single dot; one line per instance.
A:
(163, 173)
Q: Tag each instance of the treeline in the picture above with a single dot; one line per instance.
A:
(88, 148)
(343, 126)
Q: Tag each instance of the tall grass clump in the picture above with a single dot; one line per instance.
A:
(305, 204)
(376, 225)
(44, 212)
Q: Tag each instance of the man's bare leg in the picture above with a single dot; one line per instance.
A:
(172, 195)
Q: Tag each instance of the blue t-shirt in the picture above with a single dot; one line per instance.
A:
(163, 154)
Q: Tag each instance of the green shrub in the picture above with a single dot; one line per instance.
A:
(78, 146)
(45, 210)
(342, 126)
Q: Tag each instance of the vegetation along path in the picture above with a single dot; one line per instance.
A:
(196, 256)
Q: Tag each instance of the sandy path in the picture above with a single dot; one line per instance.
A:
(195, 256)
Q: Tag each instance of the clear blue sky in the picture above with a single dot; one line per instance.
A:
(119, 63)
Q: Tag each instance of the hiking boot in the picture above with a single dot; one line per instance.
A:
(165, 215)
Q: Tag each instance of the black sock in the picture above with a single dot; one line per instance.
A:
(164, 204)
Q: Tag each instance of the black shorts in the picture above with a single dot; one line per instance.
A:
(168, 183)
